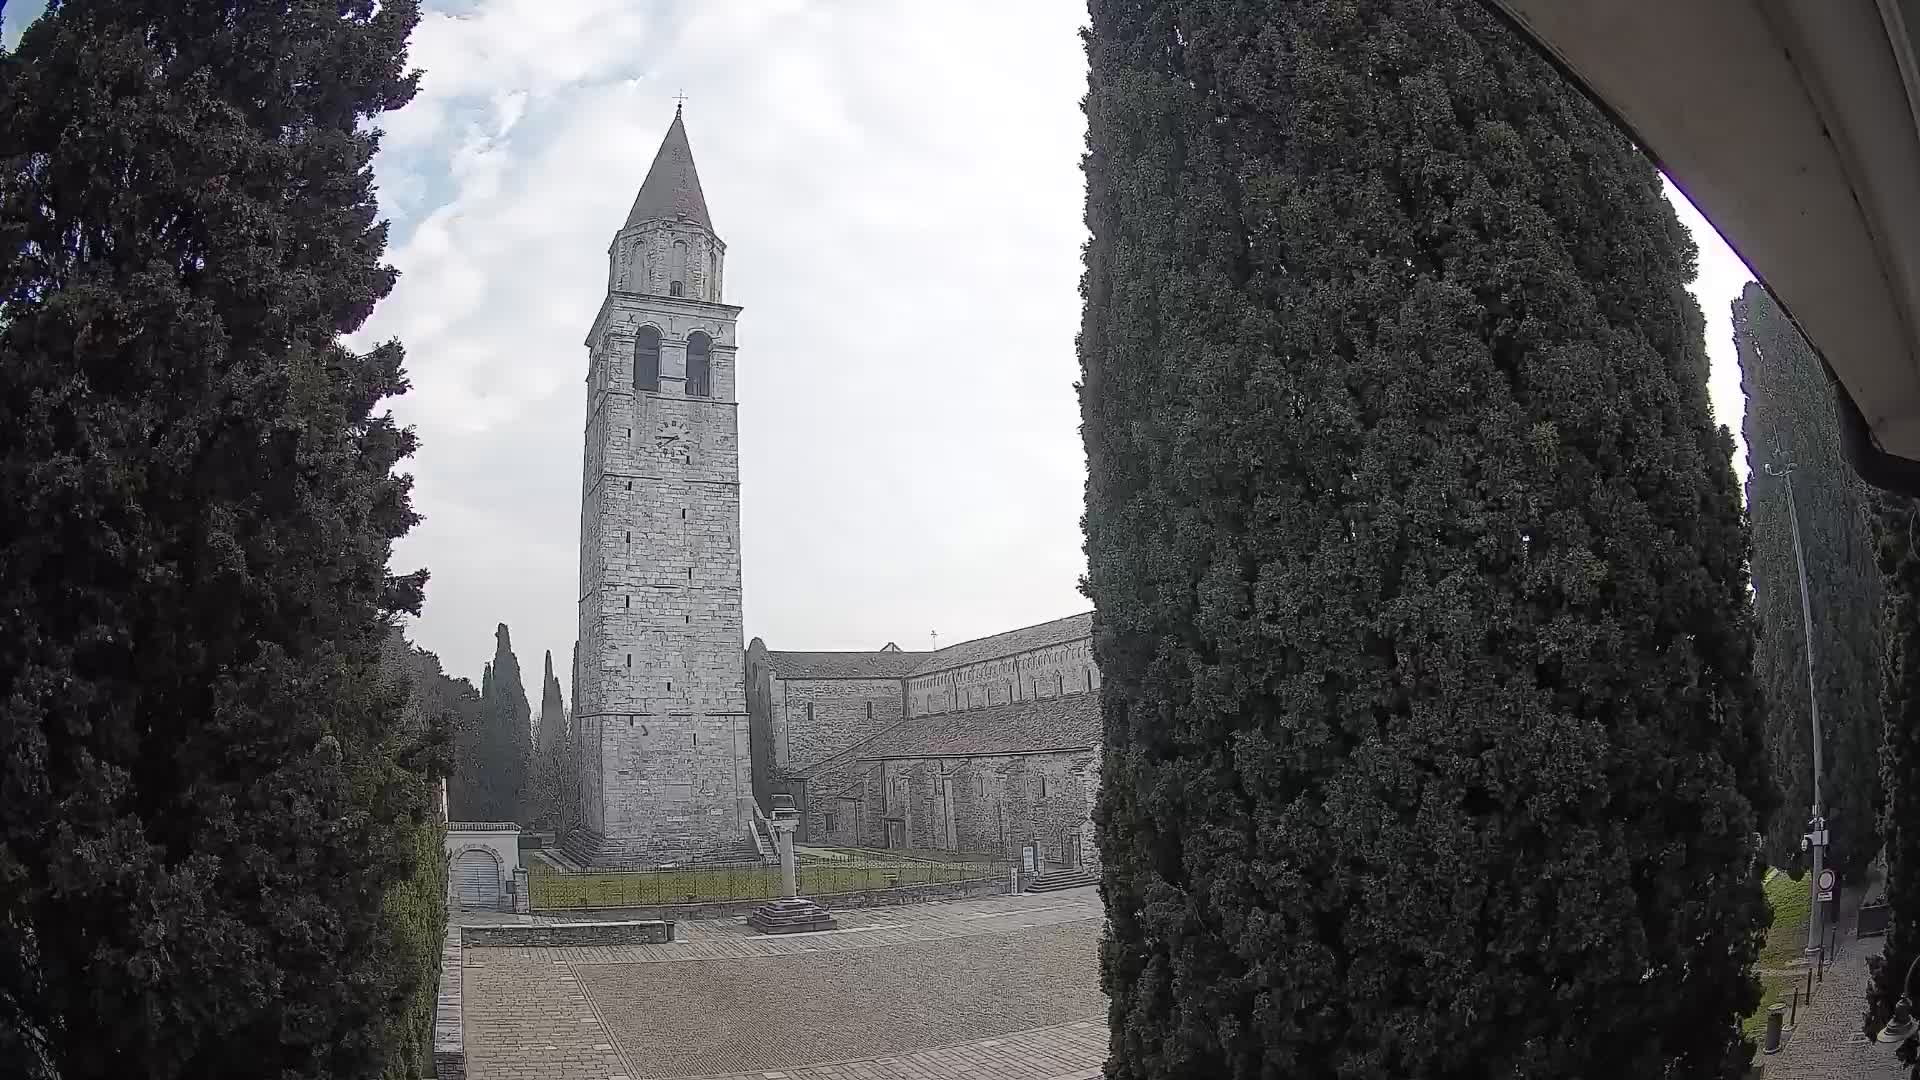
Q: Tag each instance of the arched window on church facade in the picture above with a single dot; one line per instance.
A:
(677, 282)
(699, 366)
(646, 360)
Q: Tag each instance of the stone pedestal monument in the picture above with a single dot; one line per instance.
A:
(792, 913)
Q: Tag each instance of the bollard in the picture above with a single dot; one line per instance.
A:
(1809, 994)
(1793, 1018)
(1819, 963)
(1776, 1017)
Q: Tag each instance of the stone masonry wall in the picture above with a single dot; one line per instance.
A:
(1039, 673)
(814, 719)
(996, 804)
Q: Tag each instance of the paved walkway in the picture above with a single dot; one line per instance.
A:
(1066, 1052)
(998, 988)
(1827, 1043)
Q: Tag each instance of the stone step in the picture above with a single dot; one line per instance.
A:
(794, 915)
(1055, 880)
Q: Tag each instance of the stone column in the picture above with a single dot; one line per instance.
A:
(789, 880)
(791, 913)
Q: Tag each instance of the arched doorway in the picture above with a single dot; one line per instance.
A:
(476, 880)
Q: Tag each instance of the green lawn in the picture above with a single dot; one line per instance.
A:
(551, 890)
(1787, 936)
(1790, 905)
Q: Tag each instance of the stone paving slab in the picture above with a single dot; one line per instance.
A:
(996, 988)
(771, 1013)
(721, 943)
(527, 1019)
(1071, 1051)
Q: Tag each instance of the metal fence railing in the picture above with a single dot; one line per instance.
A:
(821, 873)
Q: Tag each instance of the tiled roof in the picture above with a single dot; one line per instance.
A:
(1070, 722)
(671, 191)
(1057, 632)
(889, 664)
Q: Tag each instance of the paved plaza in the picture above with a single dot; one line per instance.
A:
(1001, 988)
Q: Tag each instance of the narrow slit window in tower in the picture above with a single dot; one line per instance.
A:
(677, 282)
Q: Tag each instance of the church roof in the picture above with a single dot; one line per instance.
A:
(885, 664)
(1025, 639)
(671, 191)
(1069, 722)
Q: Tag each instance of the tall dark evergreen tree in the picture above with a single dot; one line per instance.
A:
(505, 743)
(208, 789)
(1897, 531)
(1790, 420)
(1433, 743)
(547, 780)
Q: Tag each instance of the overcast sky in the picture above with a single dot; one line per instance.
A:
(898, 185)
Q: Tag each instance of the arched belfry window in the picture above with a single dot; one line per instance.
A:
(646, 360)
(699, 365)
(677, 283)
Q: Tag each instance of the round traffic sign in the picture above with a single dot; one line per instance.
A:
(1826, 880)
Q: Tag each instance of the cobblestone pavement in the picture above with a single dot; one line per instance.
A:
(1827, 1043)
(1066, 1052)
(766, 1013)
(1000, 988)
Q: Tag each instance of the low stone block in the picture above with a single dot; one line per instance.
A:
(554, 935)
(794, 915)
(449, 1037)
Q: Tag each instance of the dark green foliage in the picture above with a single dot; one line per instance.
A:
(1790, 418)
(548, 779)
(492, 755)
(1434, 748)
(208, 789)
(1897, 530)
(414, 911)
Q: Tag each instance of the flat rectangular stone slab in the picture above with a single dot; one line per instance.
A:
(510, 935)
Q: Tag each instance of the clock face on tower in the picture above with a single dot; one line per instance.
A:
(674, 440)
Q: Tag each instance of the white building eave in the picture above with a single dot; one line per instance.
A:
(1791, 125)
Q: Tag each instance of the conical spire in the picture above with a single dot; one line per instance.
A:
(672, 188)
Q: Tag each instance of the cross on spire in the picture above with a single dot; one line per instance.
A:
(679, 100)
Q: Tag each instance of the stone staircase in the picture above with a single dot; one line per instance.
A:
(1055, 880)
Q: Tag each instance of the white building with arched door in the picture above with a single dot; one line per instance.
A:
(481, 859)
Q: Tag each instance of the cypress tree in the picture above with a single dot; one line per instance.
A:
(507, 747)
(210, 790)
(1790, 420)
(1433, 744)
(1897, 532)
(549, 753)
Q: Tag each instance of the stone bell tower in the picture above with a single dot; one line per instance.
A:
(661, 712)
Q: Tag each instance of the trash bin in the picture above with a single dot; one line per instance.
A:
(1776, 1023)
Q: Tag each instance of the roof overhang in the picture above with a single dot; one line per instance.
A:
(1791, 125)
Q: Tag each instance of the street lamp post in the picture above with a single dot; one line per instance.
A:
(1815, 841)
